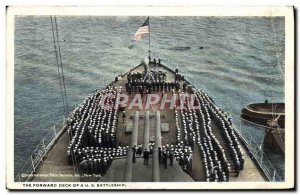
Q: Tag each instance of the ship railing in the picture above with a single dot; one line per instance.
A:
(30, 166)
(255, 148)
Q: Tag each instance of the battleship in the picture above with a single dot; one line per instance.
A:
(262, 113)
(149, 124)
(272, 116)
(101, 139)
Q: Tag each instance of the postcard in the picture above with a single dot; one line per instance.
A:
(150, 98)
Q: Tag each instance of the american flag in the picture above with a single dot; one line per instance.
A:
(144, 29)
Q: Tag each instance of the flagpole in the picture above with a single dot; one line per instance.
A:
(149, 36)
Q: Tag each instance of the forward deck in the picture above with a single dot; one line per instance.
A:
(56, 167)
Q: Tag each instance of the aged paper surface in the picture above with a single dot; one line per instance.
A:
(45, 172)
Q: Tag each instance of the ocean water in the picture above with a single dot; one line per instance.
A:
(242, 61)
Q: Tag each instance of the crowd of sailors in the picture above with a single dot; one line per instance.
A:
(155, 81)
(94, 122)
(219, 148)
(92, 131)
(167, 154)
(96, 160)
(183, 154)
(229, 136)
